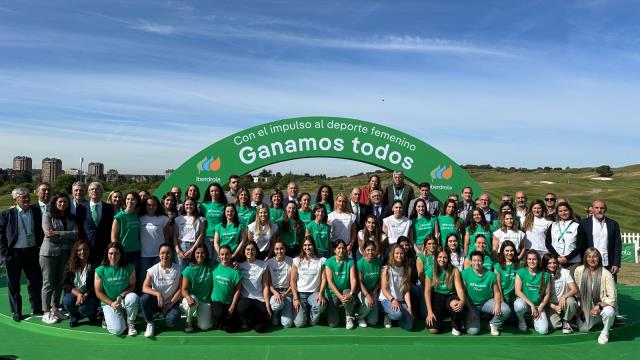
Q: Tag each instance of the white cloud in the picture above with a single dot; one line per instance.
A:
(153, 28)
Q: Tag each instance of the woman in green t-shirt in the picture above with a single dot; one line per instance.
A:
(425, 258)
(320, 231)
(325, 198)
(114, 283)
(481, 246)
(505, 269)
(443, 293)
(246, 212)
(214, 205)
(126, 231)
(369, 267)
(292, 230)
(230, 232)
(304, 212)
(227, 283)
(449, 222)
(341, 285)
(479, 226)
(533, 289)
(422, 225)
(196, 289)
(275, 208)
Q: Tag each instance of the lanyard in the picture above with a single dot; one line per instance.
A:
(24, 226)
(397, 195)
(562, 231)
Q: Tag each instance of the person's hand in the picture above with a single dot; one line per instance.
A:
(369, 300)
(346, 298)
(497, 309)
(555, 308)
(80, 299)
(562, 302)
(277, 297)
(595, 311)
(160, 299)
(167, 306)
(431, 318)
(321, 299)
(190, 301)
(296, 304)
(182, 255)
(230, 312)
(534, 312)
(457, 306)
(615, 269)
(395, 305)
(540, 311)
(50, 232)
(115, 305)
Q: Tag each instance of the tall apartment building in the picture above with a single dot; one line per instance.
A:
(22, 163)
(95, 170)
(51, 169)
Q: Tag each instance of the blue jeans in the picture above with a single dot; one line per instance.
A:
(88, 309)
(149, 305)
(486, 310)
(370, 314)
(310, 309)
(283, 308)
(541, 324)
(117, 319)
(401, 315)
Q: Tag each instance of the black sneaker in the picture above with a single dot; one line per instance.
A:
(17, 317)
(188, 328)
(73, 324)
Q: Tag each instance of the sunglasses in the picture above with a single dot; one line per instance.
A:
(550, 199)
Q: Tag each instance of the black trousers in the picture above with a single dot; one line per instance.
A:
(221, 319)
(440, 305)
(253, 314)
(26, 260)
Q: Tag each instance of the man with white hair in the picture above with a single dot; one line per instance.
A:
(21, 235)
(603, 234)
(78, 191)
(398, 190)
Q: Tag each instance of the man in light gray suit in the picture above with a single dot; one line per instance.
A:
(433, 206)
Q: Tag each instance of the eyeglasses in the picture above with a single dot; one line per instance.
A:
(550, 199)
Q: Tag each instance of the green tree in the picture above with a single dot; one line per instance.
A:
(63, 183)
(604, 171)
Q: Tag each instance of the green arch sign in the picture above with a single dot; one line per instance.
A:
(322, 137)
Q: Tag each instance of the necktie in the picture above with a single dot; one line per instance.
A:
(94, 213)
(377, 211)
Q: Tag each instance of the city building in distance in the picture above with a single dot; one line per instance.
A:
(51, 169)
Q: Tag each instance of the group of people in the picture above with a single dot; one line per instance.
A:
(229, 261)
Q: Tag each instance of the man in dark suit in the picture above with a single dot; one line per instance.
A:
(358, 209)
(95, 220)
(399, 190)
(21, 235)
(292, 194)
(377, 208)
(603, 234)
(484, 202)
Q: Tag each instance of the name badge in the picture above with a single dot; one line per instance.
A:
(31, 240)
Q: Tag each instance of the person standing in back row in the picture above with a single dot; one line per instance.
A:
(398, 190)
(603, 234)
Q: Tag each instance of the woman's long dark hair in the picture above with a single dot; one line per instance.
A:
(122, 262)
(74, 262)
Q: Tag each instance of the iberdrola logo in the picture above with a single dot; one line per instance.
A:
(208, 164)
(442, 172)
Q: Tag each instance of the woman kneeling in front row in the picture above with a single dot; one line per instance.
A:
(443, 293)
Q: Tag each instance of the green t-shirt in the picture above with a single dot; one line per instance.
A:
(214, 212)
(531, 284)
(479, 230)
(447, 225)
(305, 216)
(292, 238)
(442, 284)
(507, 280)
(114, 280)
(427, 261)
(479, 288)
(423, 227)
(370, 272)
(321, 234)
(199, 277)
(276, 215)
(246, 215)
(225, 281)
(488, 262)
(340, 273)
(129, 235)
(229, 235)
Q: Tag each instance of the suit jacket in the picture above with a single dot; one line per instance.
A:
(98, 236)
(364, 211)
(63, 241)
(285, 201)
(385, 211)
(407, 195)
(614, 240)
(9, 229)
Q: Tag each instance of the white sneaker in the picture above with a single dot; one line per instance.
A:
(522, 326)
(455, 332)
(350, 323)
(149, 332)
(60, 315)
(566, 328)
(603, 339)
(387, 321)
(132, 329)
(49, 318)
(362, 323)
(494, 330)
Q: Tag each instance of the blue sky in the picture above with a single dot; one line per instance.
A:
(143, 85)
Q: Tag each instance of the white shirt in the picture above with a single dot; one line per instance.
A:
(535, 238)
(264, 239)
(165, 281)
(280, 272)
(252, 279)
(187, 230)
(394, 279)
(564, 238)
(600, 241)
(309, 274)
(514, 236)
(341, 226)
(560, 285)
(397, 228)
(152, 234)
